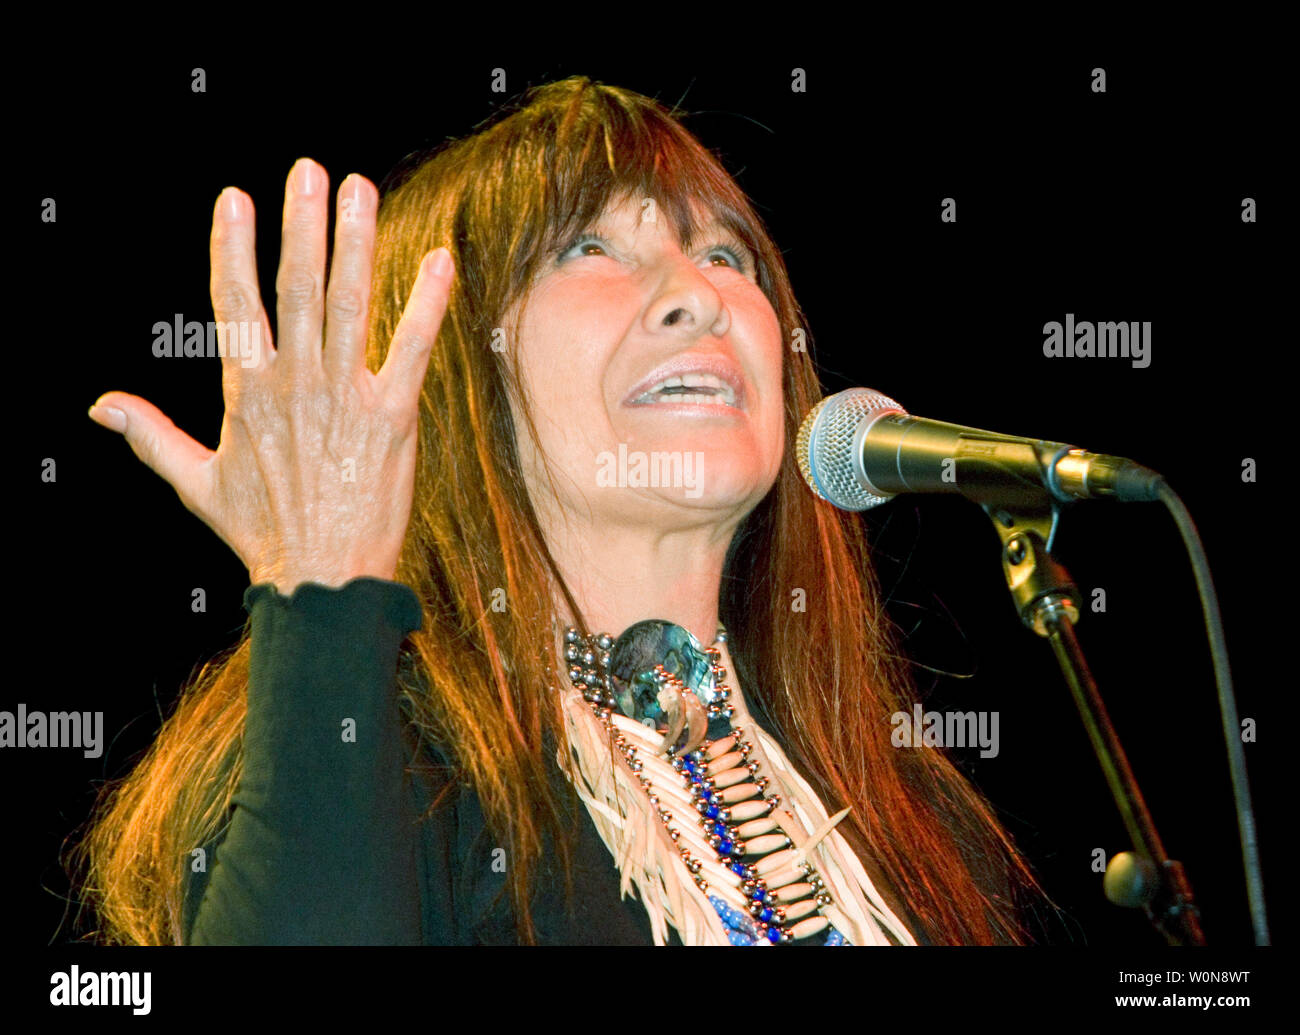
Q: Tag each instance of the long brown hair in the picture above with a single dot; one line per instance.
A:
(827, 677)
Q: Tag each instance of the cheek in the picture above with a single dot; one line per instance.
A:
(763, 330)
(565, 340)
(561, 348)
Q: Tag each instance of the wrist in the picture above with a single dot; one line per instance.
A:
(286, 582)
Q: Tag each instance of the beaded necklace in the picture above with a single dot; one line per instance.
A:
(686, 800)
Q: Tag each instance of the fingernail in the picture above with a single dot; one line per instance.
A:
(228, 203)
(441, 263)
(109, 416)
(304, 178)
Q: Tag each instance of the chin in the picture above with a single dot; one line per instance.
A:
(721, 490)
(717, 467)
(674, 472)
(730, 486)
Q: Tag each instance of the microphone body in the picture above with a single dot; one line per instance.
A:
(858, 448)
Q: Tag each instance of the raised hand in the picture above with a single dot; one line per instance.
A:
(313, 478)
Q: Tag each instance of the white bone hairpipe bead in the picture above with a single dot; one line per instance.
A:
(748, 810)
(730, 778)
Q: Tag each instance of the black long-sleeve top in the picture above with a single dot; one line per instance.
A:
(325, 844)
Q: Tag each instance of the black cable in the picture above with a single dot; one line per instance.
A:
(1227, 707)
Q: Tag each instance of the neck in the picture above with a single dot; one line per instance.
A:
(625, 575)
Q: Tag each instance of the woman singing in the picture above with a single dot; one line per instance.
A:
(547, 641)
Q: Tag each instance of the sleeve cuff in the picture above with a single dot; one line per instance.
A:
(395, 603)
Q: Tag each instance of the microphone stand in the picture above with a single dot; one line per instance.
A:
(1047, 601)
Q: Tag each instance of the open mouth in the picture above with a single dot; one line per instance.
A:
(704, 389)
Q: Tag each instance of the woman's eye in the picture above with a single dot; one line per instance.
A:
(580, 245)
(730, 256)
(585, 246)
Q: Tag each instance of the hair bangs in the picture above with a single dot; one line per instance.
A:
(600, 154)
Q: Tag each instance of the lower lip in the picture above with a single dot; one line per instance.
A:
(689, 408)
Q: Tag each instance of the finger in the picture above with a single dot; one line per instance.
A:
(243, 331)
(164, 448)
(347, 298)
(300, 282)
(402, 374)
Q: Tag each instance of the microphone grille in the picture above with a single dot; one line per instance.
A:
(824, 448)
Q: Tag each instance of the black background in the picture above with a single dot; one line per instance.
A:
(1122, 206)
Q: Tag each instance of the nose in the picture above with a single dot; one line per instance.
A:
(688, 303)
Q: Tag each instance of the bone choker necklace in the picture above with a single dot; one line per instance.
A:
(665, 705)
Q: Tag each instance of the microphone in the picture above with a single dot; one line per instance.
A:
(857, 449)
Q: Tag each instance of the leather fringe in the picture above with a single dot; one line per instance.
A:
(649, 861)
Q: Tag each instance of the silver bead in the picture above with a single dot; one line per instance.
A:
(604, 641)
(570, 635)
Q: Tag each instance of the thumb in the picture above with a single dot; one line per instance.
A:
(160, 444)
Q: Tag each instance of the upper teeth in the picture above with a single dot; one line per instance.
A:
(721, 391)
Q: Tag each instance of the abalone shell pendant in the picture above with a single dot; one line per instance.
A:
(640, 695)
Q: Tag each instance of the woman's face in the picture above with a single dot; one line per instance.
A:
(655, 376)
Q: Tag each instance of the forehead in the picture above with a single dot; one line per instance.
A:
(631, 212)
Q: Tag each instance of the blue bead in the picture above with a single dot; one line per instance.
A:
(738, 868)
(726, 846)
(766, 916)
(774, 936)
(711, 812)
